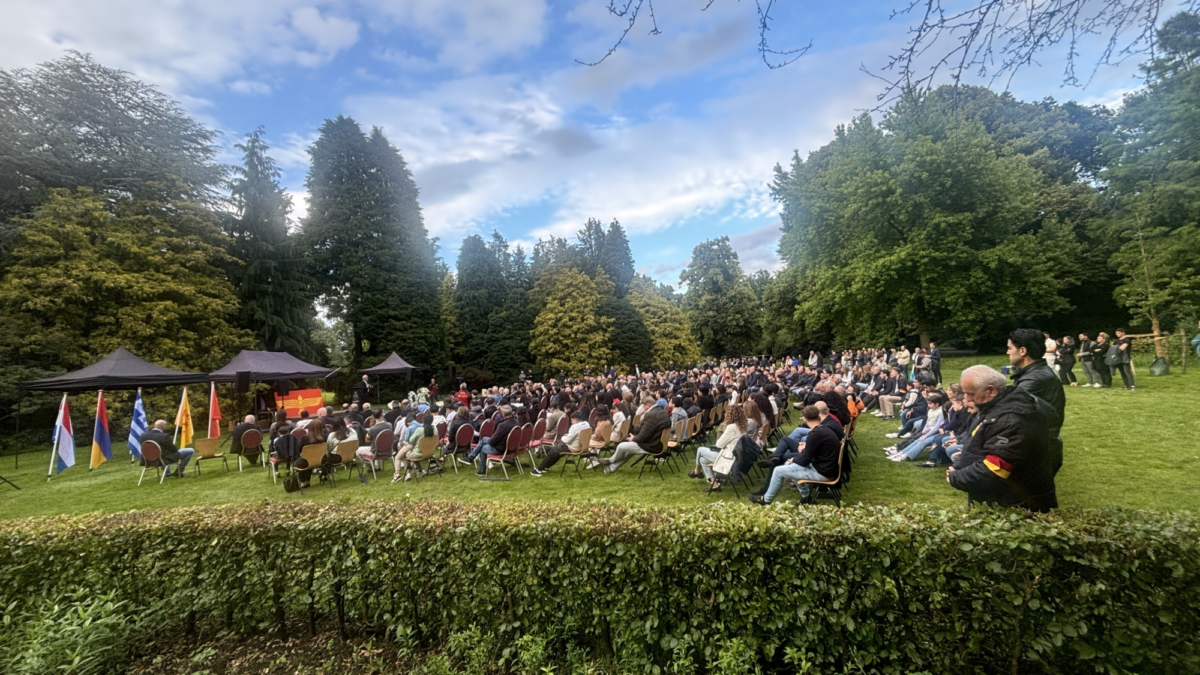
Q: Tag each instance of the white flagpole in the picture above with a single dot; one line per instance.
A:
(54, 445)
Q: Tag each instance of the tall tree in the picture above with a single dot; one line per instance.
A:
(921, 226)
(616, 259)
(375, 264)
(631, 341)
(88, 276)
(480, 290)
(719, 303)
(1154, 184)
(671, 337)
(271, 282)
(454, 336)
(569, 333)
(73, 123)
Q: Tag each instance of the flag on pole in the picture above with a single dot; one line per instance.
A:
(214, 412)
(183, 422)
(101, 444)
(136, 428)
(64, 440)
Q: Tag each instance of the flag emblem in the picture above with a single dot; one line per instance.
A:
(64, 438)
(137, 427)
(183, 422)
(998, 466)
(101, 443)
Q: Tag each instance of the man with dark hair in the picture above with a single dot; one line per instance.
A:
(1008, 458)
(818, 460)
(935, 361)
(1026, 348)
(1125, 346)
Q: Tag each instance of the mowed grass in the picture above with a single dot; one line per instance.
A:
(1133, 449)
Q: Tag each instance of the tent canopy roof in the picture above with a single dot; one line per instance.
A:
(119, 370)
(268, 367)
(391, 365)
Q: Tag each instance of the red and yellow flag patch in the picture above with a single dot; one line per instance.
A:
(998, 466)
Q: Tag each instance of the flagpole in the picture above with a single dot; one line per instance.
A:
(54, 444)
(176, 438)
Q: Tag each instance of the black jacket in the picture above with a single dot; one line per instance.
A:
(1040, 380)
(1009, 459)
(235, 446)
(170, 453)
(649, 434)
(820, 451)
(837, 406)
(499, 437)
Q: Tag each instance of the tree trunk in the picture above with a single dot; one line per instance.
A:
(1160, 345)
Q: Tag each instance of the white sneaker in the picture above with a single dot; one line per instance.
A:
(898, 457)
(891, 435)
(908, 435)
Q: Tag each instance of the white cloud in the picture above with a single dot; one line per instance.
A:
(756, 249)
(327, 34)
(250, 87)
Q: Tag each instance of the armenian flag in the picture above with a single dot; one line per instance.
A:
(64, 440)
(101, 444)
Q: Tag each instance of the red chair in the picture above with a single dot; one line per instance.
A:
(251, 438)
(420, 418)
(463, 443)
(485, 431)
(509, 453)
(496, 418)
(299, 434)
(592, 419)
(379, 450)
(542, 415)
(442, 429)
(152, 459)
(522, 447)
(564, 425)
(539, 431)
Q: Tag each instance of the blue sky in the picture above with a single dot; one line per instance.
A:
(675, 135)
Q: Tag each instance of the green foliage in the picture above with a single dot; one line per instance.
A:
(71, 633)
(450, 324)
(85, 279)
(569, 333)
(1154, 183)
(272, 284)
(374, 260)
(72, 123)
(926, 225)
(631, 341)
(719, 303)
(480, 290)
(670, 335)
(885, 589)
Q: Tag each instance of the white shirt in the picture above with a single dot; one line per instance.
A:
(572, 437)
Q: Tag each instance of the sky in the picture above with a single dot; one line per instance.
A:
(675, 135)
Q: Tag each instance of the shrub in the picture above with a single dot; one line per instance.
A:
(726, 588)
(71, 634)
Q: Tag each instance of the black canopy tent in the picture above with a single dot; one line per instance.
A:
(268, 367)
(392, 365)
(119, 370)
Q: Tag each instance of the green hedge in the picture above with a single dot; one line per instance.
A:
(874, 589)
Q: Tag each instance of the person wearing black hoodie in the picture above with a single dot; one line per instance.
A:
(1008, 459)
(1025, 351)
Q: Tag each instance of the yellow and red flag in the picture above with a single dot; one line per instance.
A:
(183, 422)
(214, 412)
(101, 443)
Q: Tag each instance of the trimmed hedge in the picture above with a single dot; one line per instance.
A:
(867, 589)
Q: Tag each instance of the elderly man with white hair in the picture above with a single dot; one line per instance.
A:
(1008, 459)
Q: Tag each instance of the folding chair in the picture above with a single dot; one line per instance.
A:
(314, 454)
(522, 448)
(830, 489)
(379, 450)
(539, 432)
(152, 459)
(347, 451)
(251, 438)
(427, 446)
(573, 456)
(462, 443)
(206, 448)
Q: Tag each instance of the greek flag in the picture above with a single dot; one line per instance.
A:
(136, 428)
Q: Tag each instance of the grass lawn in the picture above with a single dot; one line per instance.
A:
(1134, 449)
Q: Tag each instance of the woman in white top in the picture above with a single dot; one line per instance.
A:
(735, 427)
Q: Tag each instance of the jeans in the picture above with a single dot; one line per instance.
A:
(480, 453)
(624, 451)
(705, 458)
(942, 455)
(787, 444)
(1089, 371)
(799, 433)
(792, 472)
(185, 455)
(913, 425)
(918, 445)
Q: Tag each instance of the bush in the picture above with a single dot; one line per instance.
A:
(70, 633)
(728, 588)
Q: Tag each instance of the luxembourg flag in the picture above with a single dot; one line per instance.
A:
(101, 444)
(136, 428)
(64, 440)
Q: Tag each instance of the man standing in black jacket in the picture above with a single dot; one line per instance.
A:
(1025, 350)
(1007, 459)
(935, 362)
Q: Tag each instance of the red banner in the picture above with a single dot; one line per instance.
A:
(300, 399)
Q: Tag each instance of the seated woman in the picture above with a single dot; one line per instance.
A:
(735, 427)
(407, 453)
(278, 426)
(602, 434)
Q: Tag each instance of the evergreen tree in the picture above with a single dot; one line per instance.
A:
(375, 263)
(88, 276)
(719, 303)
(1154, 185)
(631, 342)
(616, 259)
(569, 333)
(670, 336)
(454, 336)
(271, 283)
(479, 292)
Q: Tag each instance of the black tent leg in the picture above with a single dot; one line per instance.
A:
(17, 454)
